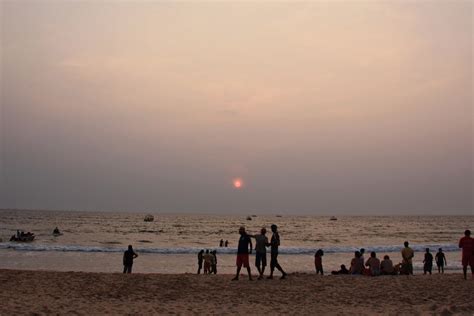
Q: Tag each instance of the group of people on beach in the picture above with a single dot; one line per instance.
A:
(374, 267)
(209, 258)
(358, 266)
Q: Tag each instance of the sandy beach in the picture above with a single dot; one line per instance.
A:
(113, 293)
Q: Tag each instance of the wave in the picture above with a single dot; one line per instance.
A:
(194, 250)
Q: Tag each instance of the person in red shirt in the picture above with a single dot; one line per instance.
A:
(467, 245)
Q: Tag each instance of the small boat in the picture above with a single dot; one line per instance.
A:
(23, 238)
(149, 218)
(249, 218)
(333, 218)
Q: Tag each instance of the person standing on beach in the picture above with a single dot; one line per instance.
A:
(214, 262)
(243, 251)
(200, 259)
(128, 257)
(275, 243)
(318, 261)
(221, 243)
(261, 243)
(207, 262)
(407, 255)
(467, 245)
(440, 260)
(428, 261)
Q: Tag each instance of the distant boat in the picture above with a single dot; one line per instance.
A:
(149, 218)
(249, 218)
(333, 218)
(278, 216)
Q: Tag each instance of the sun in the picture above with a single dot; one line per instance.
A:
(238, 183)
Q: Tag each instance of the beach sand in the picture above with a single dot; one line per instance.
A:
(45, 292)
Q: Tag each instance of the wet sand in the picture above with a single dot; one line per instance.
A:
(80, 293)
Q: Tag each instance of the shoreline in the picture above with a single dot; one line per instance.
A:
(50, 292)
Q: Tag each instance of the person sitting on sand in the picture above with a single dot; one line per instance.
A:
(440, 260)
(128, 257)
(386, 266)
(200, 260)
(467, 245)
(374, 264)
(357, 267)
(243, 250)
(407, 255)
(427, 261)
(343, 270)
(207, 262)
(318, 261)
(261, 244)
(275, 243)
(56, 231)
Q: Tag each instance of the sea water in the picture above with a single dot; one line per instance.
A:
(95, 241)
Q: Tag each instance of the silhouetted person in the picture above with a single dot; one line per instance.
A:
(357, 266)
(128, 257)
(386, 266)
(214, 262)
(274, 244)
(407, 255)
(427, 262)
(374, 264)
(440, 259)
(200, 259)
(467, 245)
(243, 250)
(207, 262)
(226, 244)
(56, 231)
(318, 261)
(261, 243)
(343, 270)
(221, 243)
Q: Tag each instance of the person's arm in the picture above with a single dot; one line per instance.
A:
(445, 262)
(250, 246)
(460, 243)
(135, 255)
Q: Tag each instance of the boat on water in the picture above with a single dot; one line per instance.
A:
(149, 218)
(333, 218)
(28, 237)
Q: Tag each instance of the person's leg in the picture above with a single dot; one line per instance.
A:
(277, 265)
(264, 264)
(124, 269)
(272, 266)
(249, 272)
(237, 274)
(257, 263)
(130, 269)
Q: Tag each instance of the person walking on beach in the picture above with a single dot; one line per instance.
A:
(427, 262)
(261, 243)
(318, 261)
(467, 245)
(128, 257)
(243, 250)
(407, 255)
(275, 243)
(214, 262)
(200, 259)
(440, 259)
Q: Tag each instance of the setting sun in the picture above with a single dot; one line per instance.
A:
(238, 183)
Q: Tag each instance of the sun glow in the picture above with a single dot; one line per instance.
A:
(238, 183)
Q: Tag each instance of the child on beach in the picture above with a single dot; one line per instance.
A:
(318, 261)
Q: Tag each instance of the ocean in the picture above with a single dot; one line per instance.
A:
(95, 241)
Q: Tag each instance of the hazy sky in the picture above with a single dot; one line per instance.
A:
(318, 107)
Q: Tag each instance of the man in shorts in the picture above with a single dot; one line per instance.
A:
(261, 242)
(467, 245)
(407, 256)
(243, 250)
(275, 243)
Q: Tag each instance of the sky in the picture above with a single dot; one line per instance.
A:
(337, 107)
